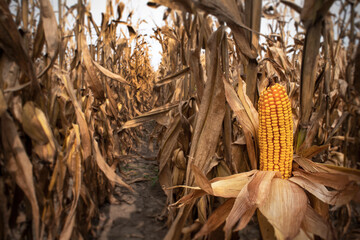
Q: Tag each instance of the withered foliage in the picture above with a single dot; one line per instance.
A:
(62, 104)
(214, 68)
(70, 111)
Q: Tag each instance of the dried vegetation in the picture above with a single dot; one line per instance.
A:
(71, 112)
(62, 105)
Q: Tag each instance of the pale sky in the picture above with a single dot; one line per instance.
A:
(153, 18)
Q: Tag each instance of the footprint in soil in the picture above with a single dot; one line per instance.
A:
(136, 215)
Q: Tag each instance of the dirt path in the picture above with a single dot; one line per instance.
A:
(137, 215)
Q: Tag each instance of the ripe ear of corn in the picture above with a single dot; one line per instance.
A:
(275, 131)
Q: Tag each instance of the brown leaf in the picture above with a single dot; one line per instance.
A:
(39, 40)
(148, 116)
(314, 223)
(247, 117)
(19, 165)
(51, 34)
(211, 112)
(172, 77)
(74, 159)
(284, 208)
(106, 169)
(3, 104)
(11, 42)
(336, 198)
(80, 118)
(201, 180)
(333, 180)
(110, 74)
(313, 150)
(228, 11)
(310, 166)
(216, 218)
(94, 82)
(251, 195)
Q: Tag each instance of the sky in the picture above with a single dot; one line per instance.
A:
(153, 17)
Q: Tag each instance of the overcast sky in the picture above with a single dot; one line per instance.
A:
(153, 18)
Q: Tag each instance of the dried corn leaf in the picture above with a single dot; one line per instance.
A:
(110, 74)
(3, 104)
(80, 118)
(247, 119)
(284, 201)
(314, 223)
(217, 218)
(11, 42)
(251, 196)
(336, 198)
(106, 169)
(148, 116)
(94, 82)
(19, 165)
(310, 166)
(51, 34)
(74, 162)
(172, 77)
(211, 112)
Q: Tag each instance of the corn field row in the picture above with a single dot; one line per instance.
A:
(72, 110)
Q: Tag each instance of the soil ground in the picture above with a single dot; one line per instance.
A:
(133, 216)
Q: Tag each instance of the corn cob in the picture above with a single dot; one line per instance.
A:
(275, 131)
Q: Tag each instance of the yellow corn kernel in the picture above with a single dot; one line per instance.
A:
(275, 131)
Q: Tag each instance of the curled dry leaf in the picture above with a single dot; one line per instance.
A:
(336, 198)
(110, 74)
(106, 169)
(172, 77)
(148, 116)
